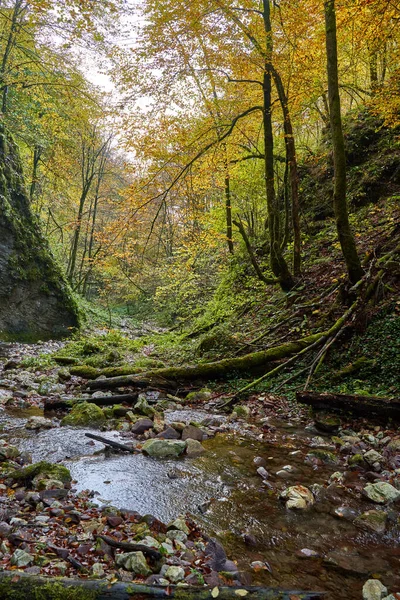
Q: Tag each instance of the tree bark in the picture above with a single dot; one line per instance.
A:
(279, 266)
(252, 256)
(167, 376)
(19, 584)
(360, 405)
(345, 234)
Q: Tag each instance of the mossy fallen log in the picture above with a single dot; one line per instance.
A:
(354, 367)
(59, 403)
(17, 585)
(361, 405)
(214, 370)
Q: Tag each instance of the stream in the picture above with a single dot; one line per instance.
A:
(316, 549)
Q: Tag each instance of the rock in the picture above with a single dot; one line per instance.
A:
(39, 423)
(175, 574)
(150, 542)
(47, 470)
(217, 555)
(327, 422)
(373, 589)
(194, 448)
(345, 512)
(324, 455)
(242, 411)
(134, 562)
(381, 492)
(169, 434)
(177, 534)
(298, 497)
(193, 432)
(164, 448)
(142, 425)
(372, 456)
(142, 406)
(41, 482)
(352, 563)
(356, 459)
(8, 452)
(259, 461)
(5, 529)
(336, 477)
(263, 472)
(393, 445)
(372, 520)
(307, 553)
(20, 558)
(180, 525)
(201, 396)
(84, 414)
(97, 570)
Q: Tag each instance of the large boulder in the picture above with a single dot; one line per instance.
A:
(134, 562)
(164, 448)
(84, 414)
(44, 469)
(381, 492)
(35, 300)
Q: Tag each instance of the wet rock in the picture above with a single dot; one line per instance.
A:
(39, 423)
(193, 432)
(142, 425)
(134, 562)
(259, 461)
(263, 472)
(345, 512)
(43, 483)
(351, 563)
(175, 574)
(373, 589)
(169, 434)
(307, 553)
(84, 414)
(164, 448)
(114, 521)
(194, 448)
(297, 497)
(336, 477)
(381, 492)
(394, 446)
(45, 470)
(20, 558)
(372, 520)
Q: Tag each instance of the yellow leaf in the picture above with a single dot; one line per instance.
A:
(241, 593)
(215, 592)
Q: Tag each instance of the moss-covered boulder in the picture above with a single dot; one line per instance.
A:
(84, 414)
(45, 469)
(164, 448)
(35, 300)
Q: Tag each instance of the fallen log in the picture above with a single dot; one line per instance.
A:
(17, 584)
(58, 403)
(111, 443)
(360, 405)
(214, 370)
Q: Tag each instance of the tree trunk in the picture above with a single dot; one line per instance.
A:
(279, 266)
(251, 254)
(22, 585)
(361, 405)
(346, 237)
(293, 175)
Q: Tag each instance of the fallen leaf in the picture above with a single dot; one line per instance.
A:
(215, 592)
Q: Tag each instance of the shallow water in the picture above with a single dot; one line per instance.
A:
(228, 499)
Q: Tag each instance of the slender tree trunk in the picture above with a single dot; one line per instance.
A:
(15, 22)
(228, 204)
(293, 174)
(279, 266)
(76, 237)
(251, 254)
(345, 234)
(37, 153)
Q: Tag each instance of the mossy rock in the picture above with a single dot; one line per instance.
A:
(323, 455)
(356, 459)
(85, 371)
(199, 396)
(242, 411)
(84, 414)
(218, 339)
(51, 471)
